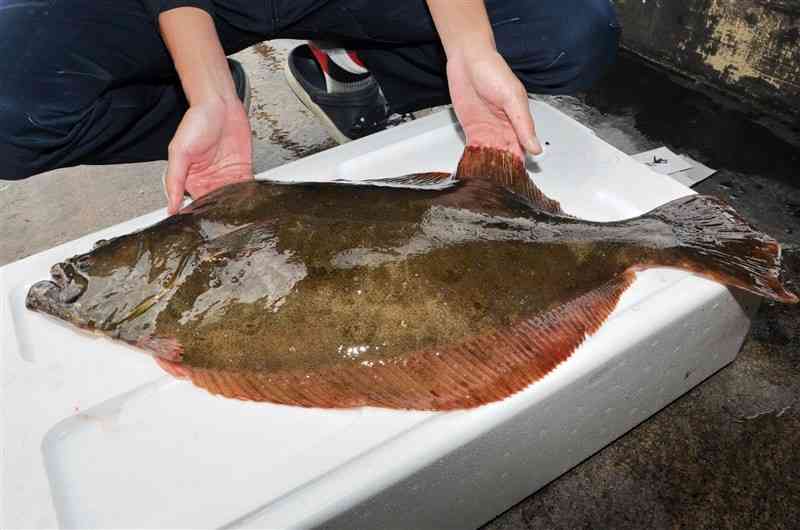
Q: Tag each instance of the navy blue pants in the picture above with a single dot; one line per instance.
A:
(91, 82)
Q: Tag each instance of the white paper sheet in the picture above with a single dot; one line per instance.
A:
(662, 160)
(681, 168)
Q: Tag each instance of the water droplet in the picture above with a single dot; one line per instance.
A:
(543, 434)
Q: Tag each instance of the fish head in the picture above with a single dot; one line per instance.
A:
(58, 295)
(115, 288)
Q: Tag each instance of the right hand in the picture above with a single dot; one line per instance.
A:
(491, 102)
(211, 148)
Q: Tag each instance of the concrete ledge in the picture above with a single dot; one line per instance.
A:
(748, 47)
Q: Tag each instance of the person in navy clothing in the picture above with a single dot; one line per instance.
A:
(88, 82)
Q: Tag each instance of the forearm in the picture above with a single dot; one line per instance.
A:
(489, 100)
(463, 26)
(192, 40)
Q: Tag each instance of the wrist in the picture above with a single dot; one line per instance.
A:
(470, 47)
(211, 88)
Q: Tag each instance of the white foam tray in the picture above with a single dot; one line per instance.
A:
(96, 435)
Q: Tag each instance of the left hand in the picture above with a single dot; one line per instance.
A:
(491, 103)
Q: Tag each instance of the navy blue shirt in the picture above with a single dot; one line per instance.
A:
(159, 6)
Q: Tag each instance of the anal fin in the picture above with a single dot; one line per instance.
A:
(173, 368)
(477, 371)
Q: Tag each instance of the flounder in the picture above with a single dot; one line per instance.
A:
(430, 291)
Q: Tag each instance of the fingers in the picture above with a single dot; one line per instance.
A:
(177, 169)
(519, 114)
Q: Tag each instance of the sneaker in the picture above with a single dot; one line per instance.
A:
(347, 113)
(240, 82)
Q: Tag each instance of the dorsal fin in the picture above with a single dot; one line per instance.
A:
(433, 180)
(426, 181)
(507, 170)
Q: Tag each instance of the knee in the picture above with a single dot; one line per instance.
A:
(24, 144)
(571, 54)
(590, 44)
(13, 149)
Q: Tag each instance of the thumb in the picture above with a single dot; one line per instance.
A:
(175, 181)
(519, 114)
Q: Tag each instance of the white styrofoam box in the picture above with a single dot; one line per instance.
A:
(96, 435)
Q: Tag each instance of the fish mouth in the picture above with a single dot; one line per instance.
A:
(56, 296)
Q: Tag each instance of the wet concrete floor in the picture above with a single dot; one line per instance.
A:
(723, 456)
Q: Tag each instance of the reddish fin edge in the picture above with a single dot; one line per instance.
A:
(475, 372)
(507, 170)
(166, 348)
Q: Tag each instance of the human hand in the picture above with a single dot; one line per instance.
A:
(491, 103)
(211, 148)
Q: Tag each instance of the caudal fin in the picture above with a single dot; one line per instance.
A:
(716, 242)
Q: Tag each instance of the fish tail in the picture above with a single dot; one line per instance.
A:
(714, 241)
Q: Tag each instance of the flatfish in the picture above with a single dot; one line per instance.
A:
(431, 291)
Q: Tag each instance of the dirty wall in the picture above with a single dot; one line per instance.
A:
(748, 47)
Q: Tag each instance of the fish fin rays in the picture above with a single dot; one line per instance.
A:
(424, 181)
(173, 368)
(434, 180)
(715, 242)
(165, 348)
(508, 171)
(478, 371)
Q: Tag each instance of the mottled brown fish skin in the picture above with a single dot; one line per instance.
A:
(342, 296)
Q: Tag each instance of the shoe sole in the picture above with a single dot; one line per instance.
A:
(315, 109)
(247, 94)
